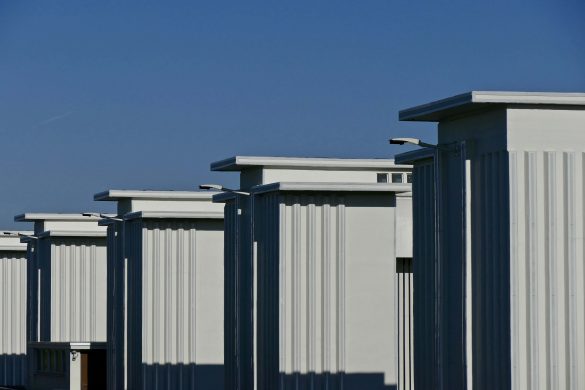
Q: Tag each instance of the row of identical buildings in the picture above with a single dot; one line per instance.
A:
(455, 266)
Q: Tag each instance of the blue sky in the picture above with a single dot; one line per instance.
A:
(144, 95)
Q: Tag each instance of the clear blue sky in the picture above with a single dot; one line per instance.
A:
(143, 94)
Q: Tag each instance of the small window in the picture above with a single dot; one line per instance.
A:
(397, 178)
(50, 361)
(404, 265)
(382, 177)
(409, 177)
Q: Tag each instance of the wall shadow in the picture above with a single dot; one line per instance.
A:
(13, 370)
(345, 381)
(183, 376)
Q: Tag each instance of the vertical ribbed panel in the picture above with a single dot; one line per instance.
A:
(176, 303)
(230, 287)
(116, 314)
(301, 304)
(270, 287)
(134, 248)
(73, 289)
(32, 296)
(239, 293)
(13, 278)
(424, 277)
(547, 273)
(404, 321)
(490, 271)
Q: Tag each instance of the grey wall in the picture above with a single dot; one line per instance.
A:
(72, 276)
(13, 366)
(327, 291)
(175, 304)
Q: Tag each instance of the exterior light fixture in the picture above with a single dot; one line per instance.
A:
(218, 187)
(103, 216)
(412, 141)
(12, 234)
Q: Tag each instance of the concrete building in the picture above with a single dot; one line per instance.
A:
(13, 364)
(498, 242)
(312, 298)
(66, 303)
(165, 290)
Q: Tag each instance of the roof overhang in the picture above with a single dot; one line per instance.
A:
(73, 233)
(332, 187)
(113, 195)
(238, 163)
(174, 215)
(414, 156)
(480, 100)
(34, 217)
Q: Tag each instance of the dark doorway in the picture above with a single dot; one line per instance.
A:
(93, 370)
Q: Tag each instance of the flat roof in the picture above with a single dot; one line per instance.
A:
(237, 163)
(153, 195)
(476, 100)
(333, 187)
(32, 217)
(412, 156)
(73, 233)
(174, 215)
(11, 242)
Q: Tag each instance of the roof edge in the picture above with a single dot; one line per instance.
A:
(413, 156)
(332, 187)
(238, 163)
(33, 217)
(469, 101)
(115, 195)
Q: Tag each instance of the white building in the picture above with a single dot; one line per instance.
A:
(165, 290)
(66, 305)
(13, 364)
(313, 253)
(498, 242)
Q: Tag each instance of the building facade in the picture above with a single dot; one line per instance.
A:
(165, 293)
(313, 251)
(66, 303)
(498, 238)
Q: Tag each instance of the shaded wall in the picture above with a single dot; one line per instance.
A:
(13, 365)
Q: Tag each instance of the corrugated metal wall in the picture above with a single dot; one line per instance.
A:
(134, 247)
(306, 287)
(74, 282)
(13, 281)
(424, 276)
(230, 293)
(267, 211)
(310, 334)
(116, 314)
(451, 269)
(174, 337)
(547, 270)
(32, 295)
(491, 271)
(404, 320)
(238, 292)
